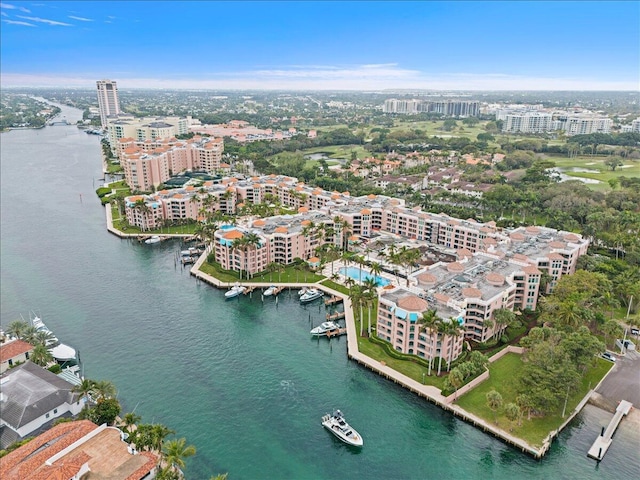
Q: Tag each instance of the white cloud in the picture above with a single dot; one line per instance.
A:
(17, 22)
(4, 14)
(356, 78)
(45, 20)
(81, 19)
(8, 6)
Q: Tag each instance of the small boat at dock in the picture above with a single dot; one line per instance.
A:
(323, 328)
(60, 351)
(337, 425)
(234, 291)
(310, 295)
(270, 291)
(152, 240)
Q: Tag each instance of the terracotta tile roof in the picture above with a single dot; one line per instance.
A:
(24, 462)
(413, 303)
(314, 260)
(233, 234)
(427, 278)
(281, 230)
(13, 349)
(471, 292)
(146, 468)
(455, 267)
(259, 223)
(572, 238)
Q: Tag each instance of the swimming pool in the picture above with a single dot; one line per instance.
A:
(354, 273)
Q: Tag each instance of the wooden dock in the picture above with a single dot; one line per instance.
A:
(278, 290)
(336, 333)
(250, 289)
(603, 442)
(333, 300)
(335, 316)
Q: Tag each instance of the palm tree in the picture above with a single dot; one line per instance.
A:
(29, 334)
(441, 328)
(104, 389)
(502, 318)
(356, 297)
(238, 245)
(347, 257)
(453, 331)
(130, 419)
(16, 328)
(407, 257)
(41, 355)
(376, 269)
(175, 451)
(44, 338)
(84, 388)
(359, 260)
(251, 241)
(429, 322)
(370, 297)
(159, 432)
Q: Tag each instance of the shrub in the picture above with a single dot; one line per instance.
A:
(55, 368)
(102, 191)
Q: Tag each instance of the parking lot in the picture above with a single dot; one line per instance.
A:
(623, 383)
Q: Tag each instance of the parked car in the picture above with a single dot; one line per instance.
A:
(635, 331)
(608, 356)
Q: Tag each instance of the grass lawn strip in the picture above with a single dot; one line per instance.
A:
(502, 373)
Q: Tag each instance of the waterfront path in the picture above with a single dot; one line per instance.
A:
(121, 234)
(429, 392)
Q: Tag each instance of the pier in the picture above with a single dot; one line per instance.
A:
(278, 290)
(335, 316)
(249, 289)
(336, 333)
(603, 442)
(333, 300)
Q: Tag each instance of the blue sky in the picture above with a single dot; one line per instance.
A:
(323, 45)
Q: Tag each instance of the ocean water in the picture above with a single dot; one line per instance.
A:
(241, 379)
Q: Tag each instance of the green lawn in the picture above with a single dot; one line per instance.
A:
(406, 367)
(502, 373)
(601, 171)
(434, 128)
(121, 224)
(289, 275)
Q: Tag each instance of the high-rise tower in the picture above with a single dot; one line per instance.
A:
(107, 100)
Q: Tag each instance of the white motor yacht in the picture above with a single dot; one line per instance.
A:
(269, 291)
(324, 327)
(311, 294)
(152, 240)
(337, 425)
(235, 291)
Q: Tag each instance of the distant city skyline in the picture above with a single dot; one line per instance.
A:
(322, 45)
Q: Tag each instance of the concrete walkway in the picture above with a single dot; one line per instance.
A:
(429, 392)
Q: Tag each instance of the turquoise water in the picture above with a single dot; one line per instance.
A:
(242, 380)
(356, 274)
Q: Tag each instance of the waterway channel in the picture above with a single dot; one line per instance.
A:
(240, 379)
